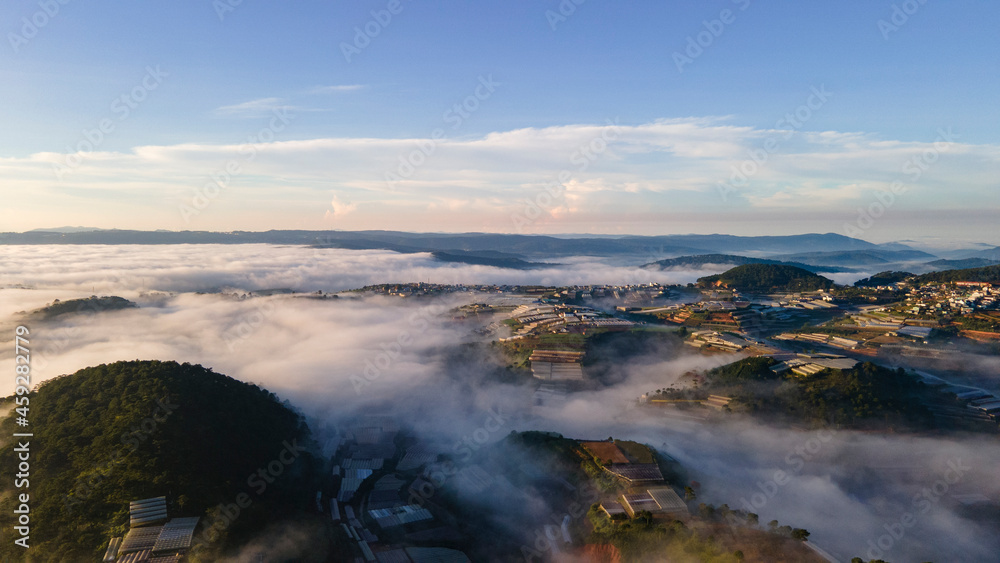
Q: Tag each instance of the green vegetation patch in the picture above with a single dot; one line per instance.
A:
(749, 369)
(114, 433)
(636, 452)
(989, 274)
(768, 277)
(716, 535)
(92, 304)
(982, 323)
(865, 396)
(883, 278)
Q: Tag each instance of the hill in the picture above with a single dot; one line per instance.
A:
(988, 254)
(497, 259)
(963, 264)
(989, 274)
(575, 474)
(883, 278)
(767, 277)
(867, 396)
(867, 257)
(92, 304)
(118, 432)
(701, 260)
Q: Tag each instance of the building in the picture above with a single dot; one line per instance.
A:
(152, 537)
(637, 473)
(556, 365)
(657, 500)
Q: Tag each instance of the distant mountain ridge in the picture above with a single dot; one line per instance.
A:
(965, 264)
(500, 260)
(665, 245)
(64, 230)
(732, 259)
(989, 254)
(868, 257)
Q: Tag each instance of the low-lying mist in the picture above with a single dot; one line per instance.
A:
(205, 267)
(895, 497)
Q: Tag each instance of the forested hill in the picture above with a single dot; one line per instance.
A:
(768, 277)
(987, 274)
(92, 304)
(701, 260)
(118, 432)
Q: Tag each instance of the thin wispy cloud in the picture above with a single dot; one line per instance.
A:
(647, 173)
(337, 89)
(252, 108)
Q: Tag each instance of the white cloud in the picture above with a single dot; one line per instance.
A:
(666, 167)
(336, 89)
(252, 108)
(339, 208)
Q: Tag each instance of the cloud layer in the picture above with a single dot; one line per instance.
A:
(670, 175)
(334, 359)
(207, 267)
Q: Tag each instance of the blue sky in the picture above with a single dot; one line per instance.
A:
(554, 81)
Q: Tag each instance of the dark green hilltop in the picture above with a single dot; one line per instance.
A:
(767, 277)
(113, 433)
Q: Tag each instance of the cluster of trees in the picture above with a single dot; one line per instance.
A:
(986, 274)
(92, 304)
(741, 517)
(768, 277)
(719, 535)
(864, 396)
(750, 369)
(883, 278)
(867, 296)
(118, 432)
(980, 323)
(700, 260)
